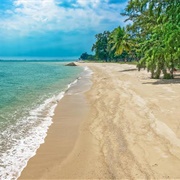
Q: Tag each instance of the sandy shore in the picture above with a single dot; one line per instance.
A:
(126, 126)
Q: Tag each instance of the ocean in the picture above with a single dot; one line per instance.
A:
(29, 93)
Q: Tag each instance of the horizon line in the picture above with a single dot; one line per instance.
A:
(19, 58)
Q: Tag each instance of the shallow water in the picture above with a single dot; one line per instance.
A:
(29, 92)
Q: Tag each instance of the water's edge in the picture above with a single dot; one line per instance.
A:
(24, 149)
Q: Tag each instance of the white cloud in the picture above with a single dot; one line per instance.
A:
(84, 3)
(46, 15)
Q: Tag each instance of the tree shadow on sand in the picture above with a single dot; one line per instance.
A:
(176, 80)
(126, 70)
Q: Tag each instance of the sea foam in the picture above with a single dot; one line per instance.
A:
(15, 159)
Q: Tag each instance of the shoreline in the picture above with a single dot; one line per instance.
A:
(63, 131)
(26, 120)
(129, 130)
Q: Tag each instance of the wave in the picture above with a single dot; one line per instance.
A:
(21, 141)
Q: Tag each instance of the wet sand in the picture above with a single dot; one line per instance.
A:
(126, 126)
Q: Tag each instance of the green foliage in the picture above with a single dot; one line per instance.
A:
(152, 38)
(112, 46)
(118, 41)
(156, 25)
(101, 46)
(86, 56)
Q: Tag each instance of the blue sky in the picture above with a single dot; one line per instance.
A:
(55, 28)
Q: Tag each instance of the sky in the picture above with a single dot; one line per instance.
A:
(55, 28)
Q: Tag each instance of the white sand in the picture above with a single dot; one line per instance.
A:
(131, 130)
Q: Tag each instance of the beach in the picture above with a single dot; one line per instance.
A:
(114, 124)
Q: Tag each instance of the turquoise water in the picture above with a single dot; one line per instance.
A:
(29, 92)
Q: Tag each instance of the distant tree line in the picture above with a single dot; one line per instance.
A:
(152, 38)
(107, 49)
(86, 56)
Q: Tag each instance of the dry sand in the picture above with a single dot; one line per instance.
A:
(126, 126)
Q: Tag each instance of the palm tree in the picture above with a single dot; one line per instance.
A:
(119, 41)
